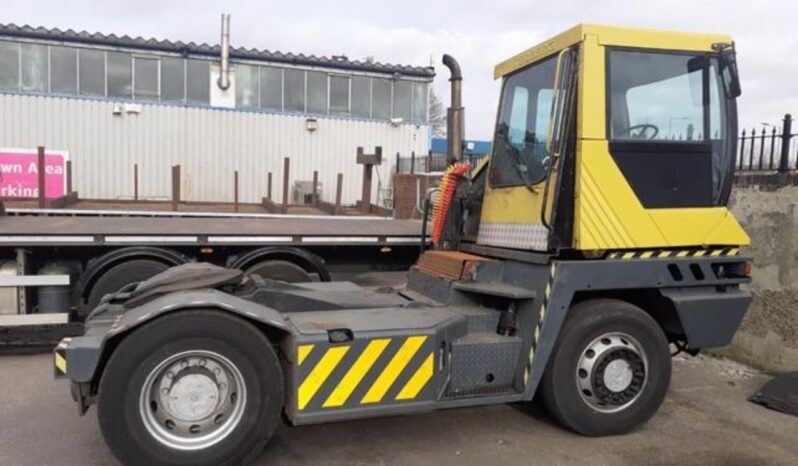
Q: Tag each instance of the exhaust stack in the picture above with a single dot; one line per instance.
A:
(224, 60)
(455, 114)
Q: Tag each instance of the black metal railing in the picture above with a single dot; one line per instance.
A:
(769, 148)
(429, 162)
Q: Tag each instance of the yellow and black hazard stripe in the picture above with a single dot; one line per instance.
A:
(547, 294)
(363, 372)
(60, 360)
(673, 253)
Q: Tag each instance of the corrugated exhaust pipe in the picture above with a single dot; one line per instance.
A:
(224, 59)
(455, 114)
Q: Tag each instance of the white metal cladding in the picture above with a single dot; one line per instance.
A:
(208, 143)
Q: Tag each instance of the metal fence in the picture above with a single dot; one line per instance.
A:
(769, 148)
(429, 162)
(764, 149)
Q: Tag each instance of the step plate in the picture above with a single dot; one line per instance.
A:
(452, 265)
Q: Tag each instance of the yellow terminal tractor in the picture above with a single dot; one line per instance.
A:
(595, 238)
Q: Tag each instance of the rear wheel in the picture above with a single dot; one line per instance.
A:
(281, 270)
(609, 370)
(121, 275)
(195, 387)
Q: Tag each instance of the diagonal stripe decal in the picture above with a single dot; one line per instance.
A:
(60, 363)
(303, 352)
(418, 380)
(393, 370)
(352, 379)
(319, 374)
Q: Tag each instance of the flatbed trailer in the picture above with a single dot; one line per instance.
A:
(96, 252)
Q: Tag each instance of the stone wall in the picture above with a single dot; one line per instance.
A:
(766, 204)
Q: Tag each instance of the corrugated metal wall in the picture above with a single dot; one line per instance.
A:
(209, 144)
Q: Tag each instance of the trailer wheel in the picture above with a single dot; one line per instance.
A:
(609, 370)
(120, 275)
(281, 270)
(194, 387)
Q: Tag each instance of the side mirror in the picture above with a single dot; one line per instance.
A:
(728, 71)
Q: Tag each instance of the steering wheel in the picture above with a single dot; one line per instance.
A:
(641, 128)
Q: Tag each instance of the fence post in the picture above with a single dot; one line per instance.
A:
(269, 187)
(412, 162)
(235, 191)
(42, 188)
(69, 177)
(397, 163)
(135, 182)
(175, 186)
(339, 187)
(784, 163)
(286, 169)
(315, 197)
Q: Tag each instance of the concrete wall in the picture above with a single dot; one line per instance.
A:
(767, 206)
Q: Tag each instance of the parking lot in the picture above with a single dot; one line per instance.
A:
(705, 420)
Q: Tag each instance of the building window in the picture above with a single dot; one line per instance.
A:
(420, 102)
(9, 67)
(361, 97)
(317, 92)
(198, 81)
(91, 66)
(63, 70)
(294, 90)
(247, 86)
(145, 77)
(402, 102)
(120, 75)
(339, 95)
(173, 79)
(35, 63)
(271, 88)
(381, 98)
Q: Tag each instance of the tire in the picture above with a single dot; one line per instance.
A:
(121, 275)
(610, 369)
(281, 270)
(133, 416)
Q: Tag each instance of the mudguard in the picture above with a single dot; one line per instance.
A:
(78, 358)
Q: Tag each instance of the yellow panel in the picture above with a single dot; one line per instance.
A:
(319, 374)
(352, 379)
(609, 215)
(610, 35)
(512, 205)
(590, 115)
(393, 369)
(418, 380)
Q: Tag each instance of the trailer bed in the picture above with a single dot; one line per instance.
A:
(24, 230)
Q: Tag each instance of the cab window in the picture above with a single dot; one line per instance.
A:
(519, 143)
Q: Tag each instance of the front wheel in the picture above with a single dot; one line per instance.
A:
(195, 387)
(610, 368)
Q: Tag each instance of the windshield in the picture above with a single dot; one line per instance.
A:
(519, 145)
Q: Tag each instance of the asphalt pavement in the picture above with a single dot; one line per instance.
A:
(705, 421)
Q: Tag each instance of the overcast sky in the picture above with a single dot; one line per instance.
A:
(477, 33)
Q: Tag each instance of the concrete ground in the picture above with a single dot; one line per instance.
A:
(705, 420)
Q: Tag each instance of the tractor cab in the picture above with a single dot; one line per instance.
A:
(608, 139)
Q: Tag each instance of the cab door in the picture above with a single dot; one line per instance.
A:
(523, 177)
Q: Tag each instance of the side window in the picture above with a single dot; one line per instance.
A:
(92, 72)
(146, 78)
(120, 75)
(656, 96)
(516, 131)
(198, 81)
(34, 67)
(9, 66)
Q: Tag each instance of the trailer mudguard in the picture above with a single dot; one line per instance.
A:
(78, 358)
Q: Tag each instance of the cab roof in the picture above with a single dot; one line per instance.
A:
(611, 35)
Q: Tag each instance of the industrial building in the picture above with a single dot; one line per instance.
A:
(114, 102)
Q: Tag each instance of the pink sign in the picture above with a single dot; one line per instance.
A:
(19, 173)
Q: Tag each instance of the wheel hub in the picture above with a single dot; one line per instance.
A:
(192, 400)
(611, 372)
